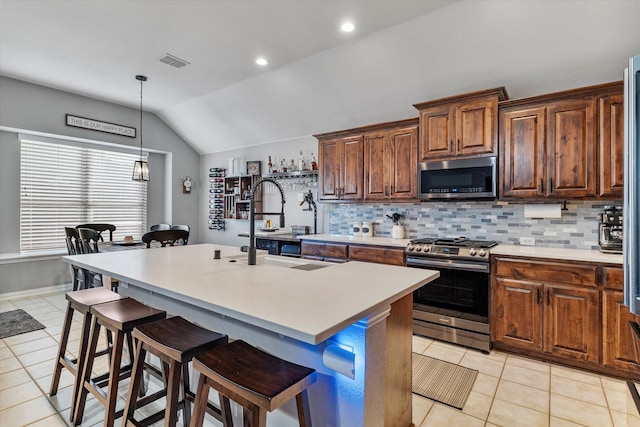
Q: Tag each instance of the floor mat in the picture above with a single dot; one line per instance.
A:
(17, 322)
(442, 381)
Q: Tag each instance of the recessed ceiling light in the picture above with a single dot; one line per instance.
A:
(262, 61)
(348, 27)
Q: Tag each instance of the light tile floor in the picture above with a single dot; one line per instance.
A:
(510, 390)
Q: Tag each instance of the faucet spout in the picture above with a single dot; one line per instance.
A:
(251, 252)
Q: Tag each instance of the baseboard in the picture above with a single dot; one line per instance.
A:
(35, 292)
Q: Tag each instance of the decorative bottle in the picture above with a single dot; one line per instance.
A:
(270, 165)
(292, 166)
(301, 163)
(314, 165)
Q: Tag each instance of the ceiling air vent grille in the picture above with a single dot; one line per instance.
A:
(173, 61)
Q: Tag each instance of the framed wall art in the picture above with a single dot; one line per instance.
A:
(254, 167)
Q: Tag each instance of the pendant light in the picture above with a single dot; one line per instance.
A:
(140, 167)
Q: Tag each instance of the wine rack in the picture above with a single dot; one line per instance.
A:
(216, 198)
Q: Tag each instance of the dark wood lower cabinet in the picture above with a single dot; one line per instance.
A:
(573, 313)
(618, 351)
(341, 252)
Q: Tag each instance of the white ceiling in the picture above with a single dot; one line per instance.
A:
(319, 79)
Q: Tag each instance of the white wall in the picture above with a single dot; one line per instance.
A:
(294, 214)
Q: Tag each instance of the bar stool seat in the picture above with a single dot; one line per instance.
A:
(119, 317)
(256, 380)
(81, 302)
(175, 341)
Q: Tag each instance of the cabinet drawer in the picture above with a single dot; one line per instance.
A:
(613, 278)
(553, 272)
(392, 256)
(330, 250)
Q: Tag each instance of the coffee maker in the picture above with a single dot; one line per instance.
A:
(610, 230)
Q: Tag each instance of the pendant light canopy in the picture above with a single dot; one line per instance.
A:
(140, 167)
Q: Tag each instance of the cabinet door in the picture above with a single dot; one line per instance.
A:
(523, 152)
(351, 168)
(571, 322)
(436, 138)
(329, 155)
(518, 314)
(403, 164)
(326, 251)
(376, 165)
(392, 256)
(618, 351)
(611, 146)
(571, 149)
(475, 128)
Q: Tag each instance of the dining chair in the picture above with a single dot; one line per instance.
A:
(89, 245)
(166, 237)
(159, 227)
(180, 227)
(73, 248)
(100, 228)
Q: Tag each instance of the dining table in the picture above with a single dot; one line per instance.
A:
(351, 322)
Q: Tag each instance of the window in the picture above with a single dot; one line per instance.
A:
(63, 185)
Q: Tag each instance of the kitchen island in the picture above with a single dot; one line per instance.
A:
(351, 322)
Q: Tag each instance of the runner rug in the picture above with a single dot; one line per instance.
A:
(442, 381)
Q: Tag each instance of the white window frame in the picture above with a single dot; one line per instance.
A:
(80, 164)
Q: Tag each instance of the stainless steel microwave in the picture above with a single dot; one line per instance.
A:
(458, 179)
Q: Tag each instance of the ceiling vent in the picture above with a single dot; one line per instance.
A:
(173, 61)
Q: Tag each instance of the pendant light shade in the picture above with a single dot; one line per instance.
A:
(140, 167)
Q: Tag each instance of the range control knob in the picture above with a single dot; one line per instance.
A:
(472, 252)
(418, 247)
(481, 252)
(410, 247)
(426, 248)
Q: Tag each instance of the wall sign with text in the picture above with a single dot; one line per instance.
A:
(85, 123)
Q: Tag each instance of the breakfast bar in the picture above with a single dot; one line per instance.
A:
(351, 322)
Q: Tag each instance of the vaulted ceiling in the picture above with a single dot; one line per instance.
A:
(318, 79)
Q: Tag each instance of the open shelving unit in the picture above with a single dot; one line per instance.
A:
(236, 196)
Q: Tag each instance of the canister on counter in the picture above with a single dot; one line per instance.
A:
(367, 229)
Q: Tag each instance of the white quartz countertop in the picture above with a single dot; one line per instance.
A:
(557, 253)
(587, 255)
(309, 306)
(379, 241)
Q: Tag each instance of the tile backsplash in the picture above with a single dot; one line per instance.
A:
(487, 220)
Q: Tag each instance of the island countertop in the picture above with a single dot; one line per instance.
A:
(309, 306)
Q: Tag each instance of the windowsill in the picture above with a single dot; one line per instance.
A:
(11, 258)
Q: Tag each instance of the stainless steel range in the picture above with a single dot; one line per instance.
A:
(454, 307)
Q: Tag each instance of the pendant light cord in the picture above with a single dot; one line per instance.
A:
(141, 119)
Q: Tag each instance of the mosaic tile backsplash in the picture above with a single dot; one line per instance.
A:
(503, 222)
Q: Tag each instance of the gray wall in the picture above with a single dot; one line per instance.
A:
(37, 108)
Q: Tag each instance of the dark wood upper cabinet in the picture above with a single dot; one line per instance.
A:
(341, 169)
(565, 145)
(571, 149)
(376, 162)
(611, 145)
(460, 126)
(390, 164)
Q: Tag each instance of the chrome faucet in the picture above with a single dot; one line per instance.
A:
(251, 252)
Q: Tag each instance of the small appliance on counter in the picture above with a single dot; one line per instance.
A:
(610, 230)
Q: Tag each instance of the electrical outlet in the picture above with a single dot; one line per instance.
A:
(528, 241)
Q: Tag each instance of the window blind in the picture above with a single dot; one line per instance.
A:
(65, 185)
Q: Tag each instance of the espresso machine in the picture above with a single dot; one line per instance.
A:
(610, 230)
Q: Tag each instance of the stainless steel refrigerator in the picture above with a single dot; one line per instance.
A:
(631, 215)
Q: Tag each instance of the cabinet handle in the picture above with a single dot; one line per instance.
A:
(550, 185)
(548, 296)
(541, 185)
(385, 191)
(458, 145)
(539, 296)
(390, 190)
(451, 145)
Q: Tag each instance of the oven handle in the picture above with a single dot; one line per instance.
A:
(455, 265)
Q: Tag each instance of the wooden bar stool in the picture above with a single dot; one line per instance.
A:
(81, 302)
(258, 381)
(119, 317)
(175, 341)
